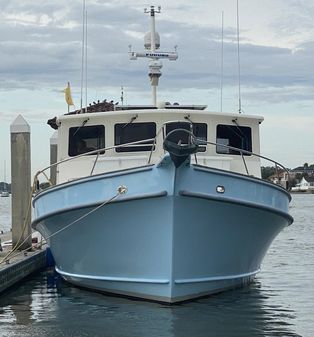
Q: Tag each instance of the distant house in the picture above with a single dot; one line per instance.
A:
(303, 176)
(310, 180)
(280, 178)
(306, 185)
(303, 170)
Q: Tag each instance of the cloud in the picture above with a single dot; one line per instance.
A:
(40, 46)
(40, 51)
(275, 95)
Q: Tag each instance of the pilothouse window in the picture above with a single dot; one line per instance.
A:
(199, 130)
(132, 132)
(86, 138)
(235, 136)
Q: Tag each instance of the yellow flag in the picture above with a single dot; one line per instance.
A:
(68, 96)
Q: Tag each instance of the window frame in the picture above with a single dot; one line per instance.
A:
(181, 125)
(247, 136)
(143, 147)
(75, 131)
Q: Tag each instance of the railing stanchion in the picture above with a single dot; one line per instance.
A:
(277, 172)
(95, 162)
(256, 155)
(246, 169)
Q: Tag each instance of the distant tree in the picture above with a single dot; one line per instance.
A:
(267, 171)
(293, 182)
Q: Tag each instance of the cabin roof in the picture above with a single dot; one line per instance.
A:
(165, 111)
(111, 106)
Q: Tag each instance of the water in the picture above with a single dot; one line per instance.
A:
(279, 303)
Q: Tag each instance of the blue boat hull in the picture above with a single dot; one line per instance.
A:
(172, 237)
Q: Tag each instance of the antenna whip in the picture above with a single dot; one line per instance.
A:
(239, 70)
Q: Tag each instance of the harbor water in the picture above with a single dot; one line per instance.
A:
(279, 303)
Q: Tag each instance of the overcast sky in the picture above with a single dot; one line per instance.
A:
(40, 51)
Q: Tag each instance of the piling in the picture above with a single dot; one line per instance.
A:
(21, 182)
(53, 157)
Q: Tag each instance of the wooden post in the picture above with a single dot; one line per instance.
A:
(21, 182)
(53, 157)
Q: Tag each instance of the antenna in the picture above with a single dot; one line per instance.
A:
(83, 54)
(239, 70)
(151, 43)
(4, 175)
(122, 95)
(86, 61)
(222, 58)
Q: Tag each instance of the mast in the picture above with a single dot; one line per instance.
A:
(222, 59)
(83, 54)
(239, 70)
(4, 172)
(154, 66)
(151, 43)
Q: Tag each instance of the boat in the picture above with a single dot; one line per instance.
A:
(162, 202)
(303, 187)
(5, 194)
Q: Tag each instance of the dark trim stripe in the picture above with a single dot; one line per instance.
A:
(234, 201)
(98, 203)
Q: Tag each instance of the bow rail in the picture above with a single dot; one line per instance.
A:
(278, 167)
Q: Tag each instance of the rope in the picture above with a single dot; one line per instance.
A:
(121, 190)
(86, 214)
(18, 244)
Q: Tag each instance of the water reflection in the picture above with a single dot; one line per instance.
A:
(279, 303)
(47, 306)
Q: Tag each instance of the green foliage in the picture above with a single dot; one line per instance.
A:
(267, 171)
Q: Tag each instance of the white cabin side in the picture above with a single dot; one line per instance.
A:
(118, 127)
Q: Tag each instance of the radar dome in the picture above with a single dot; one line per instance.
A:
(147, 40)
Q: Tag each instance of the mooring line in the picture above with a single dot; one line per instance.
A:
(121, 190)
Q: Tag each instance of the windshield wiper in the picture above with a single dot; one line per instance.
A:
(78, 129)
(130, 122)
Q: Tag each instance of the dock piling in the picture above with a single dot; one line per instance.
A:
(21, 182)
(53, 157)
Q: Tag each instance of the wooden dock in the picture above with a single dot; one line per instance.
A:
(19, 265)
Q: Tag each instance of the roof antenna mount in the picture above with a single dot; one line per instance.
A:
(152, 43)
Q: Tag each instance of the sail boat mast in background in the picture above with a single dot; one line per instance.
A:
(5, 192)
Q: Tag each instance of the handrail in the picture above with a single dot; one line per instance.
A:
(242, 151)
(97, 151)
(153, 145)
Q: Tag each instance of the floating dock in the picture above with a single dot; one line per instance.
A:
(19, 265)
